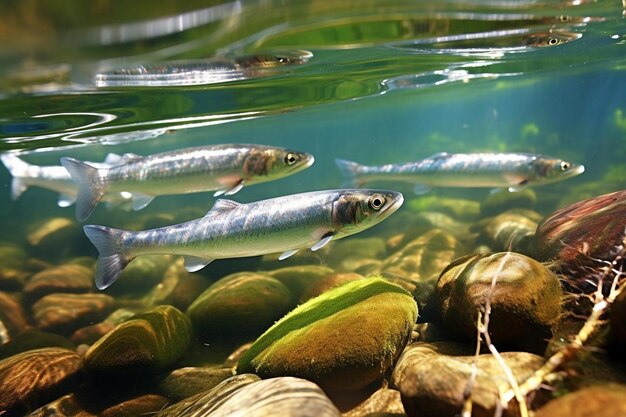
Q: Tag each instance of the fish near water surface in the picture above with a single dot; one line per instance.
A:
(56, 178)
(224, 169)
(513, 171)
(233, 230)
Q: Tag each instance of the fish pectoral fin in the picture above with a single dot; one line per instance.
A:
(230, 191)
(518, 187)
(66, 200)
(194, 263)
(323, 242)
(141, 200)
(286, 254)
(223, 205)
(420, 189)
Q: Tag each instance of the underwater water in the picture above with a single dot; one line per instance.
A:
(372, 82)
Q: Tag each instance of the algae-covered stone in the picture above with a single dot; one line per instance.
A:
(343, 340)
(33, 378)
(329, 282)
(511, 230)
(383, 403)
(150, 342)
(141, 275)
(32, 339)
(69, 278)
(457, 207)
(525, 301)
(433, 379)
(56, 236)
(12, 255)
(185, 382)
(239, 306)
(64, 313)
(503, 200)
(299, 278)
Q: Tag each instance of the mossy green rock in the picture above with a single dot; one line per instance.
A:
(239, 306)
(150, 342)
(299, 278)
(344, 339)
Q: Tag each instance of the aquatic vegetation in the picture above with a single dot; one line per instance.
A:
(619, 119)
(529, 130)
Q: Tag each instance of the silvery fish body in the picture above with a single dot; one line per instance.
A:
(232, 230)
(221, 168)
(506, 170)
(53, 178)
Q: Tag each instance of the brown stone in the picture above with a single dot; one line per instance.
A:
(64, 313)
(606, 400)
(68, 278)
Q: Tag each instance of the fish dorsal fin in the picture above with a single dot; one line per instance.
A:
(112, 159)
(66, 200)
(439, 155)
(141, 200)
(223, 205)
(323, 242)
(195, 263)
(286, 254)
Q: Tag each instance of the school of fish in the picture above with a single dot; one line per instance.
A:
(282, 225)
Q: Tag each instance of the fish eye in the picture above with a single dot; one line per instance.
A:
(376, 202)
(291, 158)
(553, 41)
(564, 18)
(564, 166)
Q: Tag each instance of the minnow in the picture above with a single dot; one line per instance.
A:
(221, 168)
(514, 171)
(233, 230)
(54, 178)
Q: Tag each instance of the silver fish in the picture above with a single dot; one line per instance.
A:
(232, 230)
(221, 168)
(55, 178)
(498, 170)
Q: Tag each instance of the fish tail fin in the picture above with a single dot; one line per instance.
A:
(91, 188)
(19, 170)
(350, 173)
(112, 259)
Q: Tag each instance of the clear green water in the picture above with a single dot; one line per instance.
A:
(387, 82)
(374, 82)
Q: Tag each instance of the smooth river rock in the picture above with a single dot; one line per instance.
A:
(185, 382)
(345, 339)
(432, 379)
(525, 302)
(149, 342)
(240, 307)
(31, 379)
(64, 313)
(68, 278)
(604, 400)
(285, 397)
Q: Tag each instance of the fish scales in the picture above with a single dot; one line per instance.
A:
(232, 230)
(513, 170)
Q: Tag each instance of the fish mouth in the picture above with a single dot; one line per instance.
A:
(308, 160)
(575, 171)
(398, 200)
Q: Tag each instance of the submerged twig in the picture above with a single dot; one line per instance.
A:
(601, 303)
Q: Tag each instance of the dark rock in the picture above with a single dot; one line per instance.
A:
(12, 279)
(240, 306)
(33, 378)
(512, 230)
(64, 313)
(68, 278)
(56, 237)
(525, 301)
(345, 339)
(432, 382)
(606, 400)
(12, 318)
(185, 382)
(144, 405)
(383, 403)
(141, 275)
(34, 339)
(299, 278)
(150, 342)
